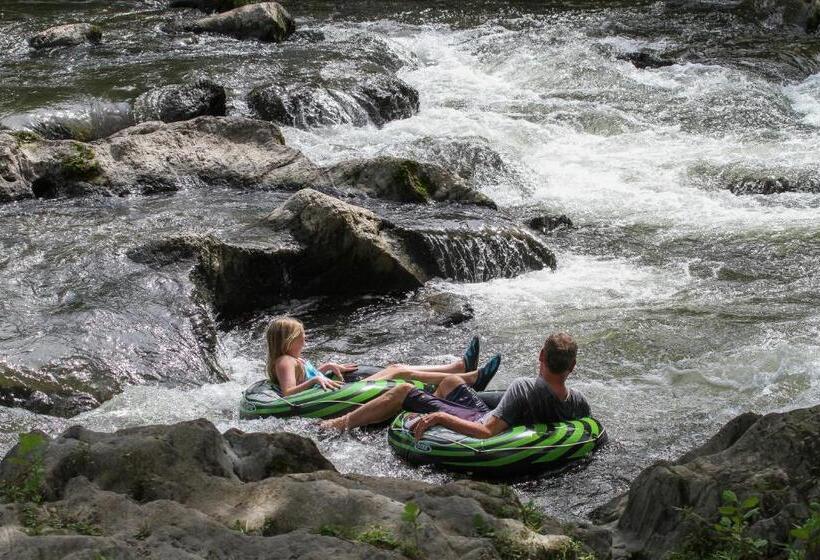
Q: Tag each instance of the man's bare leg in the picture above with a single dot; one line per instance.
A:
(377, 410)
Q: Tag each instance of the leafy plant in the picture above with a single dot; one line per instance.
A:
(728, 539)
(532, 516)
(29, 457)
(806, 536)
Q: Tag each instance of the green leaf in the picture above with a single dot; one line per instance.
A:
(751, 513)
(729, 497)
(802, 533)
(411, 512)
(750, 502)
(727, 510)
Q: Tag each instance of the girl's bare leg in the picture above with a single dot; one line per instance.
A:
(429, 377)
(454, 367)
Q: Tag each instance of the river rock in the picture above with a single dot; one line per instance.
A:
(212, 5)
(267, 21)
(181, 102)
(546, 224)
(83, 120)
(187, 491)
(53, 390)
(378, 100)
(153, 157)
(68, 35)
(320, 245)
(775, 457)
(800, 14)
(403, 180)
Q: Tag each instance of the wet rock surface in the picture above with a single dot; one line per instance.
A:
(152, 157)
(267, 21)
(403, 180)
(212, 5)
(187, 491)
(775, 457)
(320, 245)
(181, 102)
(378, 100)
(68, 35)
(83, 121)
(546, 224)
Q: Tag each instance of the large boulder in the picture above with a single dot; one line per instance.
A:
(321, 245)
(152, 157)
(775, 457)
(213, 5)
(181, 102)
(68, 35)
(378, 100)
(187, 491)
(267, 21)
(403, 180)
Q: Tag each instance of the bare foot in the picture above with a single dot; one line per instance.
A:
(337, 424)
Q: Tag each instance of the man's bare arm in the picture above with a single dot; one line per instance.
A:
(493, 426)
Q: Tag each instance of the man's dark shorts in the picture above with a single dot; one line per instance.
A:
(462, 402)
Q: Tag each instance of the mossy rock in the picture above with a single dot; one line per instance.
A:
(80, 162)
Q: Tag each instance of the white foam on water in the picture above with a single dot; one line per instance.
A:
(805, 98)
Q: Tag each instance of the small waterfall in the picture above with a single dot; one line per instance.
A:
(482, 256)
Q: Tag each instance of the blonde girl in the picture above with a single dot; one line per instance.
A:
(292, 374)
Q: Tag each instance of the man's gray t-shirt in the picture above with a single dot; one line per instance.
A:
(529, 400)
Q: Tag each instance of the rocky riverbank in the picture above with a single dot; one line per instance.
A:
(187, 491)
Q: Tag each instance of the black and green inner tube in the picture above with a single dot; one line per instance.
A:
(521, 450)
(261, 399)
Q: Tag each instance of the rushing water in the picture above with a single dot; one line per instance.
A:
(690, 303)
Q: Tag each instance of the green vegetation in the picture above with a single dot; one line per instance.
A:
(806, 537)
(80, 162)
(514, 547)
(28, 456)
(374, 535)
(413, 179)
(532, 516)
(25, 137)
(728, 539)
(37, 520)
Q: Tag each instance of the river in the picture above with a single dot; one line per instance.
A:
(690, 303)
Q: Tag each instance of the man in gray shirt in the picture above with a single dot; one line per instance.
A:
(454, 405)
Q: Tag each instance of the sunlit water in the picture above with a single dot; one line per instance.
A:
(690, 304)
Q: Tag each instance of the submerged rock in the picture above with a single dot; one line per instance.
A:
(54, 390)
(84, 120)
(403, 180)
(775, 457)
(376, 101)
(646, 59)
(267, 21)
(799, 14)
(68, 35)
(187, 491)
(152, 157)
(321, 245)
(181, 102)
(546, 224)
(449, 309)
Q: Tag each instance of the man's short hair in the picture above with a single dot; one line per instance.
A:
(561, 350)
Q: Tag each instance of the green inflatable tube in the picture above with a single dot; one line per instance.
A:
(261, 399)
(521, 450)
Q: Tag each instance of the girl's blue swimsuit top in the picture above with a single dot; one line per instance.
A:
(310, 370)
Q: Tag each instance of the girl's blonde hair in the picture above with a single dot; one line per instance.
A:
(280, 334)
